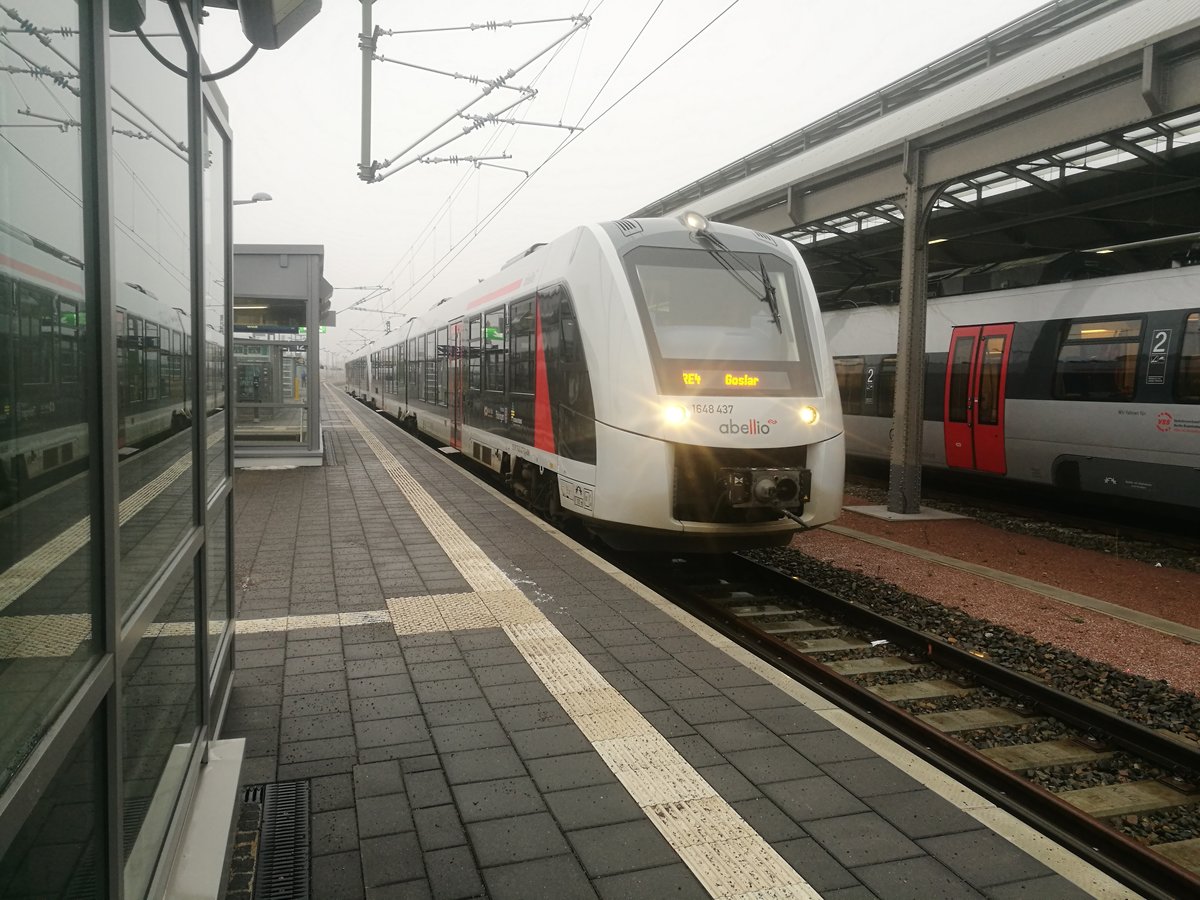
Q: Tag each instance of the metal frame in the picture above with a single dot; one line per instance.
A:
(97, 695)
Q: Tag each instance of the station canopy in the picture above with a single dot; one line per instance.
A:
(1063, 145)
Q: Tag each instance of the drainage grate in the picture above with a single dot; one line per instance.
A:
(283, 853)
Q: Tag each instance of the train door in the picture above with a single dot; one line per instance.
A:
(455, 366)
(976, 373)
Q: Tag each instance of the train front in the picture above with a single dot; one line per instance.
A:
(727, 394)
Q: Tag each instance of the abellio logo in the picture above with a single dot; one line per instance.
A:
(752, 427)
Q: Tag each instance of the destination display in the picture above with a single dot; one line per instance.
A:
(698, 380)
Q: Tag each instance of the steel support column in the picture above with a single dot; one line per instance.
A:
(904, 475)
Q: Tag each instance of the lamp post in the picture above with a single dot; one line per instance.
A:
(260, 197)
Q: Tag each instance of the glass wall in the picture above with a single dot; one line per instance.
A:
(115, 464)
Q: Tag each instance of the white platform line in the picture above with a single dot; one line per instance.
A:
(725, 854)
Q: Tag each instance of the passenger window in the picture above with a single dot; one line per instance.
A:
(475, 354)
(1187, 380)
(1098, 360)
(849, 371)
(990, 368)
(443, 364)
(520, 369)
(493, 351)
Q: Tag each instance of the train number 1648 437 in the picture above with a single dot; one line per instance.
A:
(712, 408)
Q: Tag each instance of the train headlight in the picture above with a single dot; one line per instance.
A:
(809, 415)
(675, 413)
(694, 222)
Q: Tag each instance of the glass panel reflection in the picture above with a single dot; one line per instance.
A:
(47, 600)
(159, 706)
(60, 850)
(215, 281)
(156, 396)
(215, 545)
(272, 391)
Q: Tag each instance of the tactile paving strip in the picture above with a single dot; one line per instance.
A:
(725, 854)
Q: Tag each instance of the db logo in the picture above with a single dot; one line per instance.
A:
(772, 422)
(1165, 420)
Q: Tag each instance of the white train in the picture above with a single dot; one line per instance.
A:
(1089, 385)
(665, 381)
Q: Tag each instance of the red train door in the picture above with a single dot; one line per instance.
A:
(454, 366)
(976, 373)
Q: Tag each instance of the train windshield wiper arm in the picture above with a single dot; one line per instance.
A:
(768, 296)
(768, 290)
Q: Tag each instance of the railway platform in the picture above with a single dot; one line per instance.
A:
(469, 705)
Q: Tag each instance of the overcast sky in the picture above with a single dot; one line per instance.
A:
(763, 69)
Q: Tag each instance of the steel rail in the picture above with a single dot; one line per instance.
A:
(1105, 848)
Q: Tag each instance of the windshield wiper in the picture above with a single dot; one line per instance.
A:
(768, 296)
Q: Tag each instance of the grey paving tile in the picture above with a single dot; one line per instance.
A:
(508, 673)
(388, 706)
(335, 831)
(870, 777)
(756, 697)
(708, 709)
(303, 728)
(729, 783)
(439, 827)
(675, 881)
(458, 712)
(471, 736)
(858, 892)
(815, 866)
(922, 878)
(338, 876)
(575, 770)
(668, 723)
(316, 647)
(658, 670)
(731, 677)
(983, 858)
(373, 668)
(644, 700)
(375, 779)
(500, 841)
(395, 751)
(638, 652)
(482, 765)
(307, 751)
(828, 746)
(454, 689)
(740, 734)
(861, 839)
(808, 799)
(688, 688)
(420, 764)
(533, 715)
(503, 695)
(922, 813)
(767, 764)
(391, 859)
(555, 741)
(553, 878)
(384, 814)
(380, 685)
(386, 732)
(453, 874)
(603, 804)
(481, 800)
(310, 665)
(373, 650)
(625, 847)
(481, 639)
(502, 655)
(332, 792)
(768, 820)
(437, 671)
(697, 751)
(619, 637)
(433, 654)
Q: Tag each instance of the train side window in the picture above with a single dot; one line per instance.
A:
(1187, 380)
(134, 356)
(69, 322)
(520, 367)
(475, 353)
(443, 364)
(150, 360)
(36, 338)
(850, 371)
(1098, 360)
(886, 393)
(493, 350)
(414, 369)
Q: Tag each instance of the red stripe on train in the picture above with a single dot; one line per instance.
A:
(17, 266)
(498, 292)
(543, 425)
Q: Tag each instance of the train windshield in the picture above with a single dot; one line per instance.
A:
(722, 321)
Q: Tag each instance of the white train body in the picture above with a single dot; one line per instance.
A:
(1088, 385)
(670, 388)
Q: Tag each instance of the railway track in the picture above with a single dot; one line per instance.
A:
(1006, 734)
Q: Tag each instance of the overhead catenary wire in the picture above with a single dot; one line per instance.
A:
(455, 250)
